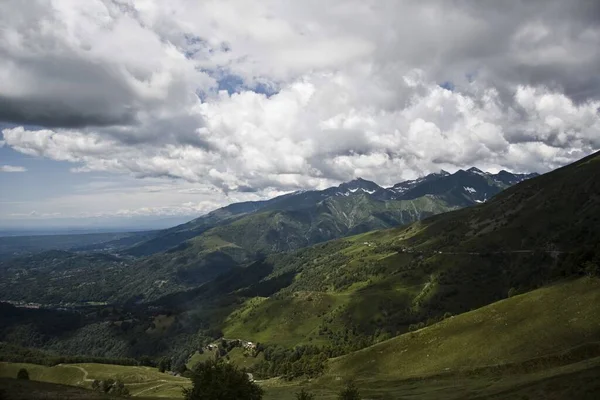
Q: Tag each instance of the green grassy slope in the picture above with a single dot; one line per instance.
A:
(543, 322)
(141, 381)
(543, 343)
(288, 320)
(59, 374)
(567, 382)
(13, 389)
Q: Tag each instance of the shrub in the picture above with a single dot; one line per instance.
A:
(304, 395)
(107, 385)
(350, 392)
(119, 389)
(23, 374)
(591, 269)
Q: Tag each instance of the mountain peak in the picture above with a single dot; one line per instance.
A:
(361, 182)
(475, 170)
(358, 185)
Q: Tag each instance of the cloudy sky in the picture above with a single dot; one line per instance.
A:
(125, 110)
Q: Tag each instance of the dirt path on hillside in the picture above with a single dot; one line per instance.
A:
(86, 379)
(554, 253)
(85, 373)
(151, 388)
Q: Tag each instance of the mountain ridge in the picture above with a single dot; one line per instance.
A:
(198, 251)
(453, 192)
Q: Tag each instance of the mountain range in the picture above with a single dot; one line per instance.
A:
(306, 217)
(196, 252)
(514, 279)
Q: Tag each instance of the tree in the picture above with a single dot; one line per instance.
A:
(107, 385)
(350, 392)
(119, 389)
(178, 365)
(215, 380)
(180, 369)
(23, 374)
(164, 364)
(304, 395)
(96, 385)
(591, 269)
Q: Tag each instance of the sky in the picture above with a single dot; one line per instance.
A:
(131, 113)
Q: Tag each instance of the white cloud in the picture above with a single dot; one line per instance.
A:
(356, 90)
(12, 168)
(311, 134)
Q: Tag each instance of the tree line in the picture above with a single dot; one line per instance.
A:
(18, 354)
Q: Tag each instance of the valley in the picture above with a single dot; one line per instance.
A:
(483, 354)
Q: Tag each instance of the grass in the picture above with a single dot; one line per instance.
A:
(201, 357)
(545, 321)
(128, 374)
(141, 381)
(58, 374)
(574, 381)
(529, 345)
(237, 357)
(287, 320)
(13, 389)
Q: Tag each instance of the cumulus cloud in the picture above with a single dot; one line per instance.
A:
(325, 94)
(12, 168)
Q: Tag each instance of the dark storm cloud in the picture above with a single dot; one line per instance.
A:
(56, 114)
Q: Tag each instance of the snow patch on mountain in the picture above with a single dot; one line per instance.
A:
(477, 171)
